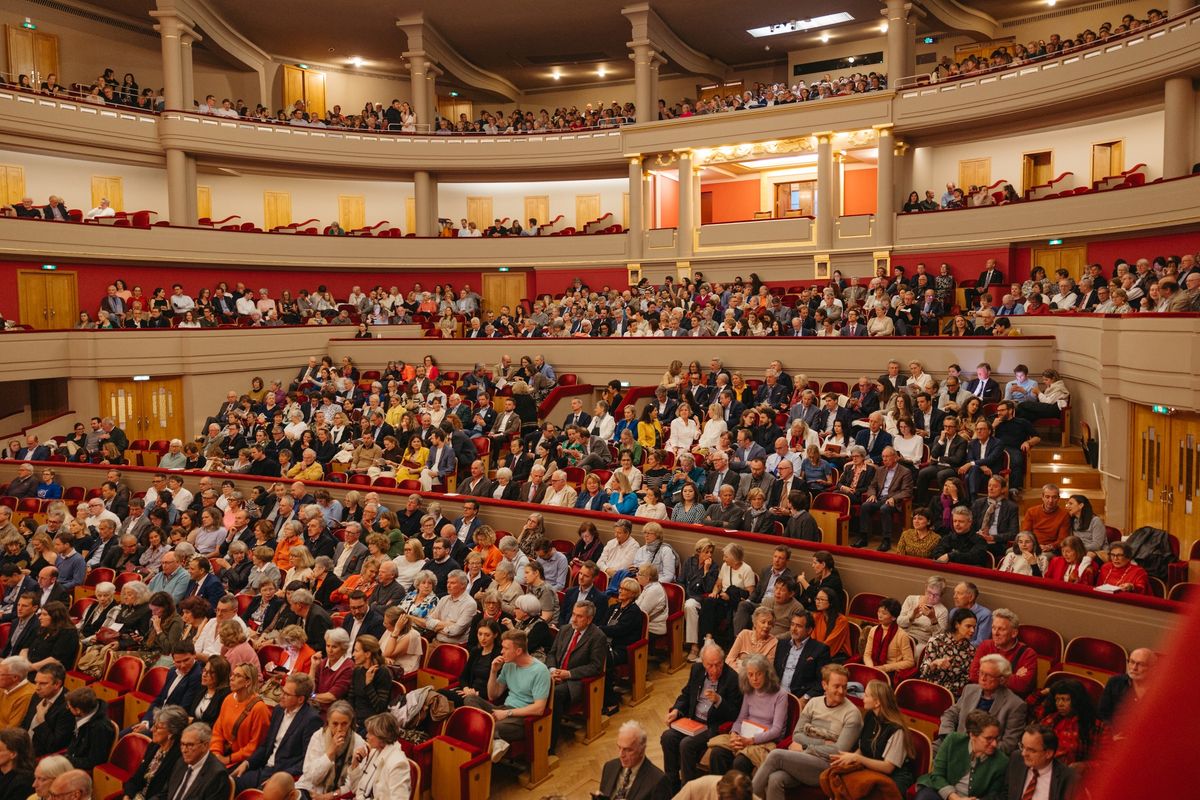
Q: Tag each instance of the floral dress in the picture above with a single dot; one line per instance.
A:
(960, 653)
(422, 609)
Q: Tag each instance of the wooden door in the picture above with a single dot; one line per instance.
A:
(111, 187)
(1147, 491)
(48, 300)
(31, 53)
(1108, 158)
(150, 409)
(479, 211)
(1037, 169)
(277, 210)
(587, 209)
(314, 93)
(706, 208)
(1072, 259)
(974, 172)
(502, 289)
(204, 202)
(293, 85)
(1182, 452)
(537, 208)
(352, 211)
(12, 184)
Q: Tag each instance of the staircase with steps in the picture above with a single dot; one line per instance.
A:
(1065, 467)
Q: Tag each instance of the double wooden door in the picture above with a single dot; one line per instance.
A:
(32, 53)
(149, 409)
(503, 289)
(49, 300)
(1165, 484)
(1072, 259)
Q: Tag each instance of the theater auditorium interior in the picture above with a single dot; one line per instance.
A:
(291, 510)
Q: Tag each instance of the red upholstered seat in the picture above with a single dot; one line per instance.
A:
(1095, 658)
(444, 666)
(865, 606)
(923, 703)
(1047, 643)
(1094, 687)
(125, 759)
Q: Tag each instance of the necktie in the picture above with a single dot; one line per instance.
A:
(987, 516)
(183, 785)
(979, 386)
(566, 662)
(626, 777)
(1032, 787)
(871, 443)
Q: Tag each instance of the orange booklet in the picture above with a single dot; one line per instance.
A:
(689, 727)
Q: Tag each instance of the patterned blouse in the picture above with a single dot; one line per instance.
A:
(910, 545)
(960, 653)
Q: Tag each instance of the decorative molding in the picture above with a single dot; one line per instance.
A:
(424, 40)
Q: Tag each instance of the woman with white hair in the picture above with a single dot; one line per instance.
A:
(332, 672)
(506, 586)
(330, 755)
(764, 707)
(100, 613)
(295, 427)
(653, 599)
(527, 616)
(380, 770)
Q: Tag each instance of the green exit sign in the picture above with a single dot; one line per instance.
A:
(1053, 242)
(1161, 409)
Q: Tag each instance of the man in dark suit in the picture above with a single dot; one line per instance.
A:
(874, 439)
(24, 624)
(885, 495)
(293, 723)
(929, 311)
(48, 719)
(799, 658)
(584, 589)
(198, 775)
(33, 450)
(864, 399)
(996, 518)
(466, 525)
(745, 451)
(711, 696)
(773, 393)
(631, 776)
(313, 618)
(771, 574)
(731, 408)
(927, 418)
(534, 489)
(832, 412)
(985, 456)
(946, 455)
(720, 475)
(991, 276)
(182, 686)
(983, 385)
(56, 210)
(854, 325)
(579, 651)
(204, 583)
(477, 484)
(442, 461)
(578, 417)
(349, 554)
(362, 619)
(1038, 767)
(93, 739)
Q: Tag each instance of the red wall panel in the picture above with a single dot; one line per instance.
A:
(667, 193)
(964, 264)
(1107, 252)
(734, 201)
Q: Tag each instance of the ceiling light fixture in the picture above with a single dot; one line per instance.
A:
(601, 71)
(883, 28)
(825, 37)
(357, 61)
(800, 25)
(851, 59)
(556, 75)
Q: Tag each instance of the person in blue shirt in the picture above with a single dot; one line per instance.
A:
(49, 488)
(623, 500)
(72, 570)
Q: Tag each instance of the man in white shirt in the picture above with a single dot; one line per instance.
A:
(102, 210)
(180, 302)
(181, 498)
(97, 512)
(226, 109)
(208, 643)
(1066, 298)
(209, 106)
(463, 230)
(619, 552)
(451, 619)
(245, 305)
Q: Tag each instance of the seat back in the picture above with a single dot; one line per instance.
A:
(125, 672)
(1094, 688)
(865, 606)
(153, 681)
(472, 726)
(675, 598)
(129, 751)
(922, 752)
(924, 696)
(1048, 645)
(448, 658)
(1095, 658)
(861, 673)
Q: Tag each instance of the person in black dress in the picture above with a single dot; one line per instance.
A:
(151, 777)
(57, 638)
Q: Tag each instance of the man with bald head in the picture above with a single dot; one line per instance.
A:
(1130, 688)
(75, 784)
(885, 496)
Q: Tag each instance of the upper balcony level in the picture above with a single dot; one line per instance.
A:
(1120, 74)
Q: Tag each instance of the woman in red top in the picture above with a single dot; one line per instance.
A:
(1070, 712)
(1122, 573)
(1074, 565)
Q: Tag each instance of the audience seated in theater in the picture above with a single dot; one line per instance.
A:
(990, 693)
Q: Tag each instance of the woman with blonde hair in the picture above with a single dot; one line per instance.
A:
(882, 767)
(302, 563)
(244, 718)
(401, 643)
(485, 546)
(710, 433)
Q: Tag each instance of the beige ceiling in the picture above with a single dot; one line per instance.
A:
(524, 40)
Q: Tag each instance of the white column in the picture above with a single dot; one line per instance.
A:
(649, 202)
(885, 189)
(431, 98)
(645, 81)
(420, 88)
(425, 211)
(825, 190)
(899, 45)
(1179, 119)
(636, 216)
(686, 229)
(172, 54)
(186, 40)
(177, 183)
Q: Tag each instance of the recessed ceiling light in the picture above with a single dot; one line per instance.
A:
(556, 75)
(601, 71)
(824, 37)
(800, 25)
(883, 28)
(851, 59)
(357, 61)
